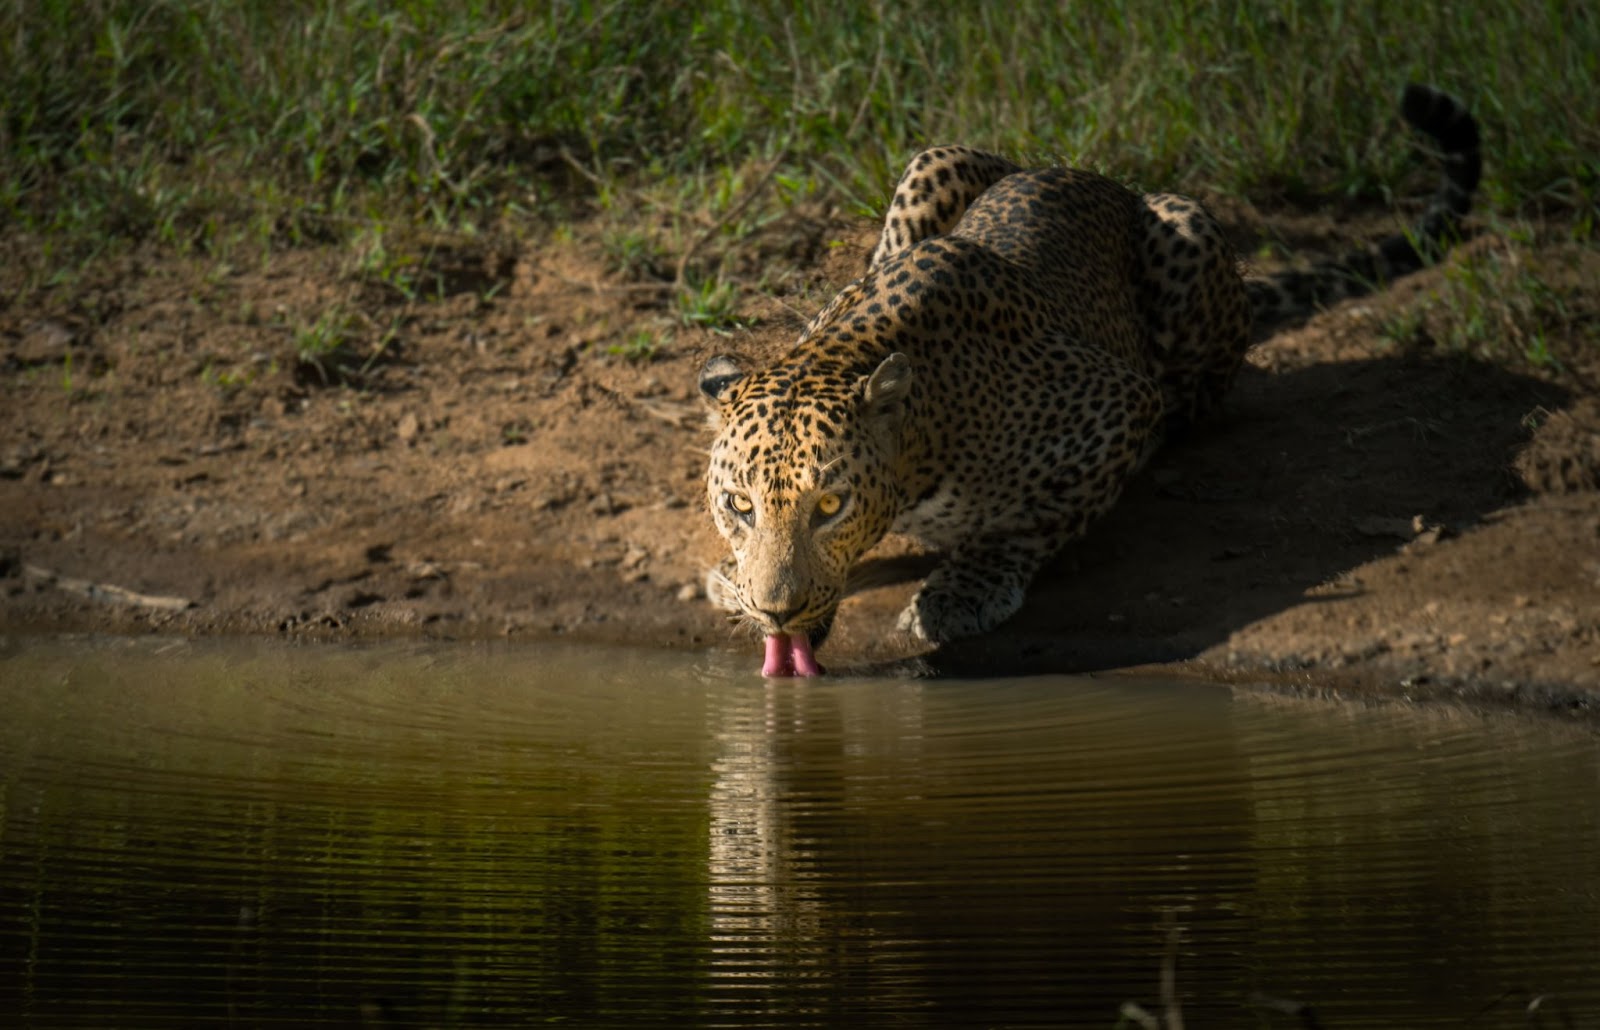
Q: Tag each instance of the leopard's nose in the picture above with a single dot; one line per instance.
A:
(780, 619)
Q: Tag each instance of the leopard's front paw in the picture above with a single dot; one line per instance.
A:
(934, 617)
(938, 614)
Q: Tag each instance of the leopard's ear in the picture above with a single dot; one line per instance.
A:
(717, 378)
(889, 384)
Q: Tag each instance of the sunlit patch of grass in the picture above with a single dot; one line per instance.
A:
(641, 345)
(634, 253)
(338, 347)
(712, 304)
(324, 347)
(230, 380)
(375, 257)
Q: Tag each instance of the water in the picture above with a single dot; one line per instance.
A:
(260, 835)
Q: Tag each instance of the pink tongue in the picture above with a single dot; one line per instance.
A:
(777, 660)
(801, 658)
(789, 656)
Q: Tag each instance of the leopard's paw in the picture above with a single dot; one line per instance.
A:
(937, 616)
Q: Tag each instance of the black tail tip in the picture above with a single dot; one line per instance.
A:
(1440, 115)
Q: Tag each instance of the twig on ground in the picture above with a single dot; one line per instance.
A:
(107, 591)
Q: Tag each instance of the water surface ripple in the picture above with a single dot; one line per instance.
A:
(266, 835)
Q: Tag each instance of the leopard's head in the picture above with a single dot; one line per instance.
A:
(801, 482)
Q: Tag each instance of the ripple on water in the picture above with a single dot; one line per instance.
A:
(420, 835)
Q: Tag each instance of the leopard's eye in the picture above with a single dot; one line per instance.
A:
(740, 504)
(828, 505)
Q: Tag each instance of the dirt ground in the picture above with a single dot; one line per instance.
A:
(1375, 514)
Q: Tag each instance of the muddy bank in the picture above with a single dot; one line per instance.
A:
(521, 456)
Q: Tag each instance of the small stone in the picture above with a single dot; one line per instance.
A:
(688, 592)
(1429, 537)
(44, 343)
(425, 569)
(408, 427)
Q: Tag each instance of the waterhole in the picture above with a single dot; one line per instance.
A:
(253, 834)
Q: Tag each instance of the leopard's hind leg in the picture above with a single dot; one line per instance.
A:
(934, 192)
(1109, 410)
(1195, 307)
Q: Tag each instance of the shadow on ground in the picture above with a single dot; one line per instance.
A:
(1312, 473)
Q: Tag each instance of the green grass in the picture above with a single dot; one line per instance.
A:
(1506, 302)
(203, 125)
(640, 345)
(713, 304)
(339, 346)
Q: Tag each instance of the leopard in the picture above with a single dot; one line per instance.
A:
(1021, 342)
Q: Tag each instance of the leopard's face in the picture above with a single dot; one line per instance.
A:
(800, 485)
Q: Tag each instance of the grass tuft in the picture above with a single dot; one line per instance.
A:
(1501, 300)
(712, 304)
(640, 345)
(339, 347)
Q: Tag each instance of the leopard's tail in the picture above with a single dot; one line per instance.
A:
(1287, 297)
